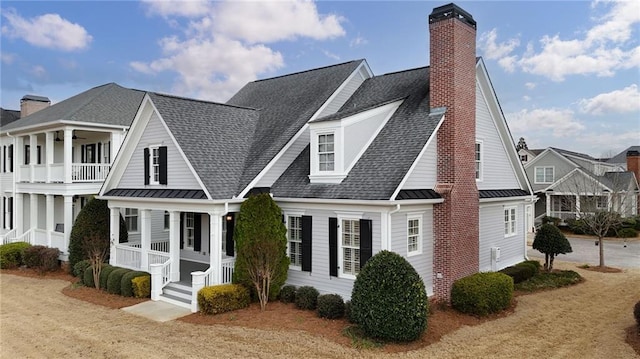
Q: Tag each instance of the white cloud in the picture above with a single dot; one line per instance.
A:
(7, 58)
(501, 52)
(49, 31)
(618, 101)
(358, 41)
(526, 98)
(225, 45)
(330, 55)
(530, 85)
(38, 71)
(183, 8)
(561, 122)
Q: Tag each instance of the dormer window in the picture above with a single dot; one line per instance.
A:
(326, 155)
(155, 165)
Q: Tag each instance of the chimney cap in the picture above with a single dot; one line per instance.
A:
(451, 10)
(35, 98)
(633, 153)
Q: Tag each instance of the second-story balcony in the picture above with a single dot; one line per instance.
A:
(55, 173)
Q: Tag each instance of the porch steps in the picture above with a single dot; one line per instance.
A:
(178, 294)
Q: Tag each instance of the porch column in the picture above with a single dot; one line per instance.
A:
(68, 222)
(50, 219)
(116, 141)
(17, 214)
(174, 244)
(548, 203)
(215, 246)
(145, 237)
(33, 210)
(33, 157)
(68, 139)
(114, 231)
(18, 160)
(577, 209)
(49, 154)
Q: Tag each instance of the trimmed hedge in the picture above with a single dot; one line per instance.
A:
(141, 286)
(518, 273)
(535, 264)
(307, 298)
(87, 277)
(126, 285)
(389, 300)
(104, 274)
(482, 293)
(288, 294)
(115, 279)
(330, 306)
(11, 254)
(627, 233)
(80, 267)
(223, 298)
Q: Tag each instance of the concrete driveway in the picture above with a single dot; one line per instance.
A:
(585, 251)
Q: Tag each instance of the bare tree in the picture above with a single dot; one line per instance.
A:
(95, 248)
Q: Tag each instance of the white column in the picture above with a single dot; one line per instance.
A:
(33, 210)
(17, 214)
(215, 246)
(548, 203)
(174, 244)
(577, 207)
(145, 237)
(114, 225)
(68, 222)
(50, 218)
(68, 141)
(33, 156)
(18, 158)
(49, 154)
(116, 142)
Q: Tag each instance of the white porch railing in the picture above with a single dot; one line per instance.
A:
(57, 241)
(39, 237)
(89, 172)
(563, 215)
(128, 257)
(160, 246)
(156, 257)
(160, 277)
(8, 237)
(40, 173)
(227, 269)
(25, 237)
(56, 171)
(24, 173)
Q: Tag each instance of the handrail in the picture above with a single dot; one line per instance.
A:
(160, 277)
(199, 280)
(9, 236)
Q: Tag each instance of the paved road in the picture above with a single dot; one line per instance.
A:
(585, 251)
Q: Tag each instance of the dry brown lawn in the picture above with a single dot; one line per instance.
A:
(588, 320)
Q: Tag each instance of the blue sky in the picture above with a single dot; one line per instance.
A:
(566, 73)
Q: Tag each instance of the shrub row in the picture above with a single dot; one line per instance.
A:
(625, 228)
(223, 298)
(116, 280)
(42, 258)
(330, 306)
(11, 254)
(482, 293)
(522, 271)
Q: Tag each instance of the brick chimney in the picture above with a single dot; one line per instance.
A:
(30, 104)
(633, 165)
(452, 84)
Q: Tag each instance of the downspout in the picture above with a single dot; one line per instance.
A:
(533, 199)
(396, 210)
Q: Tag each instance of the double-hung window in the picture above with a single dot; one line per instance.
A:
(154, 165)
(544, 174)
(189, 229)
(510, 224)
(326, 155)
(131, 219)
(478, 159)
(414, 234)
(350, 246)
(294, 233)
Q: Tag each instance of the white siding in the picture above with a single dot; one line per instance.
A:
(497, 172)
(319, 276)
(178, 173)
(344, 94)
(560, 164)
(423, 263)
(492, 235)
(285, 161)
(358, 134)
(424, 174)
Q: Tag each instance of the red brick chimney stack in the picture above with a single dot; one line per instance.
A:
(633, 165)
(452, 84)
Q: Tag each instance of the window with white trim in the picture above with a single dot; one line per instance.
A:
(154, 165)
(167, 220)
(510, 221)
(414, 234)
(326, 154)
(478, 159)
(131, 219)
(350, 246)
(189, 229)
(544, 174)
(294, 237)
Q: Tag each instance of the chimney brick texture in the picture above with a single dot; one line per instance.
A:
(28, 107)
(453, 85)
(633, 165)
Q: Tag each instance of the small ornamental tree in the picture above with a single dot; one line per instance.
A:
(550, 241)
(262, 262)
(92, 221)
(96, 248)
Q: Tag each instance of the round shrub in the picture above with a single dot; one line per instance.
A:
(482, 293)
(307, 298)
(104, 274)
(126, 285)
(636, 313)
(79, 268)
(518, 273)
(330, 306)
(115, 279)
(87, 277)
(627, 233)
(11, 254)
(389, 300)
(288, 294)
(535, 264)
(32, 256)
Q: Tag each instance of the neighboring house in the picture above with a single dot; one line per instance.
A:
(8, 116)
(526, 155)
(564, 179)
(54, 158)
(409, 161)
(621, 159)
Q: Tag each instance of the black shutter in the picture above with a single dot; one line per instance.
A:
(365, 241)
(39, 149)
(197, 229)
(10, 158)
(181, 230)
(333, 247)
(162, 160)
(4, 159)
(27, 154)
(10, 212)
(146, 166)
(99, 152)
(306, 243)
(229, 240)
(83, 156)
(4, 210)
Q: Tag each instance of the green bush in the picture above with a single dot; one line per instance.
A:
(530, 268)
(93, 219)
(482, 293)
(288, 294)
(550, 241)
(11, 254)
(389, 300)
(636, 313)
(330, 306)
(32, 257)
(548, 280)
(223, 298)
(518, 273)
(142, 286)
(104, 274)
(79, 268)
(307, 298)
(536, 265)
(627, 233)
(115, 279)
(126, 285)
(87, 277)
(551, 220)
(347, 311)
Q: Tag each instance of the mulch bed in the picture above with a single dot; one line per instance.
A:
(633, 338)
(604, 269)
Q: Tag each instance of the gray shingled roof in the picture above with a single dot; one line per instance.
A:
(381, 168)
(618, 181)
(8, 116)
(35, 98)
(107, 104)
(213, 136)
(622, 156)
(285, 103)
(575, 154)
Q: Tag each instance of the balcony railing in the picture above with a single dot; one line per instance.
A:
(89, 172)
(80, 172)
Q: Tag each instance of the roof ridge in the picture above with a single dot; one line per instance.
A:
(401, 71)
(202, 101)
(308, 70)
